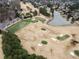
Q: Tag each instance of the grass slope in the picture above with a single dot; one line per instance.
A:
(19, 25)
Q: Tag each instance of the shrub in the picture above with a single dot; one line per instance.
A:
(63, 37)
(44, 42)
(17, 15)
(43, 29)
(76, 52)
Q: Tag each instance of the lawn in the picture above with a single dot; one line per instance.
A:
(19, 25)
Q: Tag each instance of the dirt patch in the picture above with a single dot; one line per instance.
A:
(32, 35)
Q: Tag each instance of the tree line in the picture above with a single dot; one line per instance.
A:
(12, 48)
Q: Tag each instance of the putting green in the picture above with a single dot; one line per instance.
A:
(19, 25)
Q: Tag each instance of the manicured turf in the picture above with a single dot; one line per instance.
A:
(19, 25)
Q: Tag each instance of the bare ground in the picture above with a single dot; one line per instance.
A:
(1, 52)
(32, 35)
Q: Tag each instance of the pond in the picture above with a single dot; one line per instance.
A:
(58, 20)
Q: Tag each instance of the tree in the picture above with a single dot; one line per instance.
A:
(12, 48)
(44, 12)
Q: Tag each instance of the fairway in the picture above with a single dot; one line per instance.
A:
(19, 25)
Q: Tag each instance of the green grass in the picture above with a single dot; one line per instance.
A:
(63, 37)
(19, 25)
